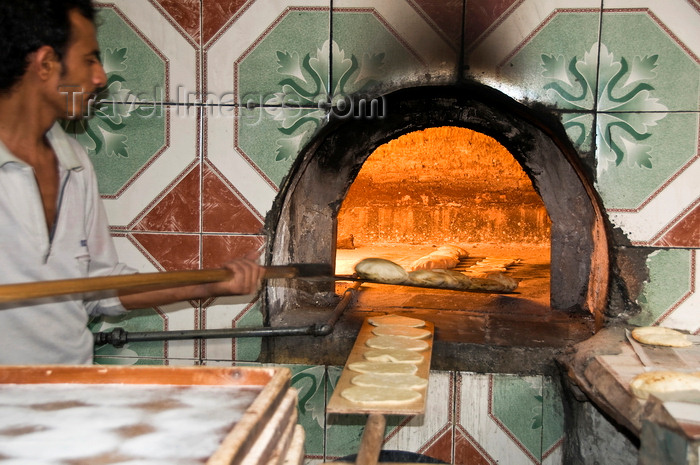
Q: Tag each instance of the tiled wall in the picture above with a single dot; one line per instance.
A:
(189, 162)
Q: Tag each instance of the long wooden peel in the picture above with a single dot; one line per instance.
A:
(147, 281)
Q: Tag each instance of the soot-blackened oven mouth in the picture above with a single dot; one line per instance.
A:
(440, 166)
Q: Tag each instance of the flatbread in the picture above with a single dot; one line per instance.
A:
(381, 270)
(384, 368)
(395, 320)
(660, 336)
(393, 355)
(379, 396)
(396, 342)
(391, 381)
(664, 382)
(401, 331)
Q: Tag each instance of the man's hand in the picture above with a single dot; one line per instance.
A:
(246, 278)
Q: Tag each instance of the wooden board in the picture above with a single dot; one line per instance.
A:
(184, 414)
(338, 404)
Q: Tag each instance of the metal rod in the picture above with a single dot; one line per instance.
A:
(118, 337)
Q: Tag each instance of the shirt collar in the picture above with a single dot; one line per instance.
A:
(62, 147)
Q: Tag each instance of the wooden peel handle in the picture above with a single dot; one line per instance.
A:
(127, 282)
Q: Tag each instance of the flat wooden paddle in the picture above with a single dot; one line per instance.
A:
(147, 281)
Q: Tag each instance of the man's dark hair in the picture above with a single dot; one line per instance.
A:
(27, 25)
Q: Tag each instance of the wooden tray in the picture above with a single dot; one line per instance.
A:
(76, 397)
(338, 404)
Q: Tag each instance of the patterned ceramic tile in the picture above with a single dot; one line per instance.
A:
(580, 130)
(186, 14)
(429, 434)
(522, 52)
(241, 58)
(153, 54)
(644, 66)
(174, 317)
(231, 312)
(650, 189)
(401, 44)
(501, 420)
(310, 381)
(670, 297)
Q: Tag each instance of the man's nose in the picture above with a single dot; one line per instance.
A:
(100, 77)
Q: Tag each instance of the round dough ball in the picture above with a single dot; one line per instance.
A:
(379, 396)
(401, 331)
(393, 355)
(384, 368)
(391, 382)
(395, 320)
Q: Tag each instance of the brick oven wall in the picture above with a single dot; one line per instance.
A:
(190, 162)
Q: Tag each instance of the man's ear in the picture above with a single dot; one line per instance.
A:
(45, 61)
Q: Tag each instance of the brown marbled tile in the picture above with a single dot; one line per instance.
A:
(177, 210)
(467, 453)
(186, 13)
(441, 448)
(171, 251)
(217, 250)
(216, 13)
(685, 233)
(224, 210)
(480, 15)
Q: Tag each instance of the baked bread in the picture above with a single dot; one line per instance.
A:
(660, 336)
(661, 383)
(381, 270)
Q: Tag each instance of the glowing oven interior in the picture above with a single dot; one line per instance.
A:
(443, 167)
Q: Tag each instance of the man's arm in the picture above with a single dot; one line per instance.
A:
(245, 279)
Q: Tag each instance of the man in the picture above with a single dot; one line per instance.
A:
(52, 221)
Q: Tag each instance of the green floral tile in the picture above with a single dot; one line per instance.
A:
(136, 71)
(141, 320)
(670, 280)
(551, 70)
(638, 152)
(579, 128)
(378, 58)
(552, 417)
(310, 382)
(248, 348)
(272, 137)
(518, 408)
(121, 139)
(288, 64)
(644, 66)
(105, 360)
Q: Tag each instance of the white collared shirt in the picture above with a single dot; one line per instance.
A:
(53, 330)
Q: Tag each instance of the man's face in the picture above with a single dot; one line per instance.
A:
(82, 73)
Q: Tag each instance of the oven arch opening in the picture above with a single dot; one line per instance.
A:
(302, 223)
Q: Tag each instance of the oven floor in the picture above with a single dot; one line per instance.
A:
(522, 319)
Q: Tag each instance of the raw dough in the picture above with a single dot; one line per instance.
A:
(381, 270)
(660, 336)
(393, 355)
(664, 382)
(401, 331)
(385, 368)
(396, 320)
(380, 396)
(396, 342)
(392, 381)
